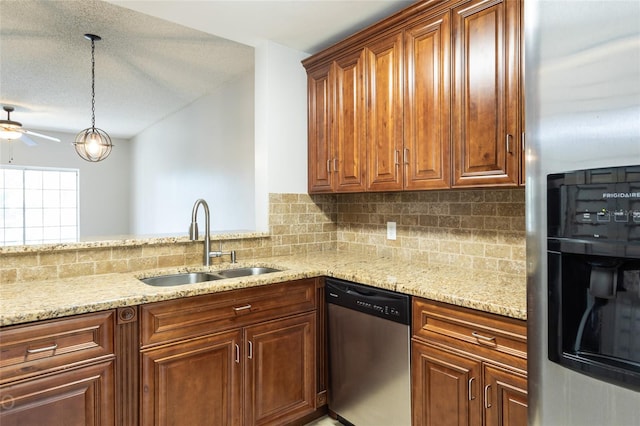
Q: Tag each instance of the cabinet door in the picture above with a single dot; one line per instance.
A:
(427, 142)
(78, 397)
(384, 113)
(281, 370)
(193, 382)
(505, 397)
(446, 388)
(319, 130)
(348, 121)
(486, 109)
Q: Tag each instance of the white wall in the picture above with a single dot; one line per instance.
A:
(204, 151)
(281, 125)
(235, 168)
(104, 186)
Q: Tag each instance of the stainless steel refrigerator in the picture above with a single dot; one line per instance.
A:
(582, 78)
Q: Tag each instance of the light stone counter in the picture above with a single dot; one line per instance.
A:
(487, 291)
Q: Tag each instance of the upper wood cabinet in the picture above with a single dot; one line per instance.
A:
(319, 130)
(428, 99)
(348, 122)
(384, 113)
(337, 125)
(427, 112)
(486, 95)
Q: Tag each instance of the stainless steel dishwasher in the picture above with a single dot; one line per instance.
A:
(369, 354)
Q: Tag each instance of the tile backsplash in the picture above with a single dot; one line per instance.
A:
(483, 229)
(480, 228)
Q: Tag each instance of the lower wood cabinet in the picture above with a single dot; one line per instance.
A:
(244, 357)
(59, 372)
(279, 383)
(193, 382)
(79, 397)
(468, 367)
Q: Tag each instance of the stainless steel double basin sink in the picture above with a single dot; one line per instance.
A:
(200, 277)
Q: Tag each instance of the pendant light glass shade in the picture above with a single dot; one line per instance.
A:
(93, 144)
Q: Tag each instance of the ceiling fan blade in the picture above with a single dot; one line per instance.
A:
(51, 138)
(27, 140)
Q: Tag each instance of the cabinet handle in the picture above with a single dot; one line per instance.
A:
(329, 166)
(242, 308)
(470, 389)
(508, 143)
(250, 356)
(405, 156)
(45, 349)
(237, 354)
(335, 165)
(522, 140)
(396, 156)
(487, 404)
(484, 338)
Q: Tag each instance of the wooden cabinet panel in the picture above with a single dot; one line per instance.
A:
(446, 388)
(195, 382)
(165, 322)
(443, 97)
(484, 334)
(319, 130)
(280, 370)
(427, 113)
(79, 397)
(33, 349)
(506, 398)
(384, 113)
(452, 344)
(262, 372)
(486, 104)
(348, 121)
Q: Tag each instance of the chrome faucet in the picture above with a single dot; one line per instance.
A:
(193, 234)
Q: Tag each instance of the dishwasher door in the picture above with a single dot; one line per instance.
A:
(369, 359)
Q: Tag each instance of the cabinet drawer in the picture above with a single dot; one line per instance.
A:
(27, 350)
(165, 322)
(469, 330)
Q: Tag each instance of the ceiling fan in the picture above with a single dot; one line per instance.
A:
(11, 130)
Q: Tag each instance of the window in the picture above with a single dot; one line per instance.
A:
(38, 205)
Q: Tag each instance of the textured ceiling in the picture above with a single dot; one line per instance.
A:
(146, 66)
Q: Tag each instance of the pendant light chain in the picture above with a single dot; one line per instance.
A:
(93, 84)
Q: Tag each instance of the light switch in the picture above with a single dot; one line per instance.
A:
(391, 230)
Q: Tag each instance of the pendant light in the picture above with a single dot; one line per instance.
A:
(93, 144)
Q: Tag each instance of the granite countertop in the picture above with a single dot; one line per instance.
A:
(492, 292)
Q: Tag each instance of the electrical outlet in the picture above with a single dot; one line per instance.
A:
(391, 230)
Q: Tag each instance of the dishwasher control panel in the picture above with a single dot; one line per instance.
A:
(382, 309)
(370, 300)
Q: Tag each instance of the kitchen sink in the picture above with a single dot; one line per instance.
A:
(243, 272)
(200, 277)
(180, 279)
